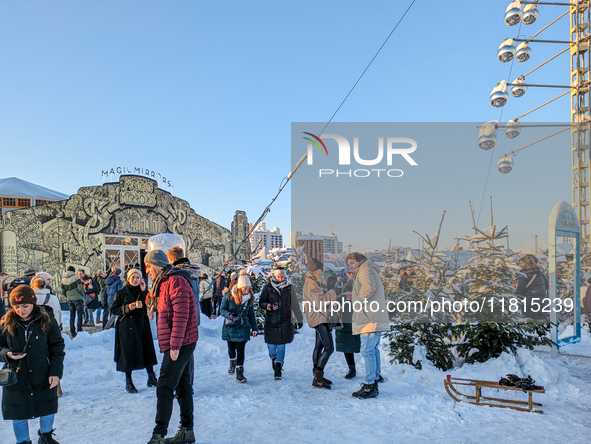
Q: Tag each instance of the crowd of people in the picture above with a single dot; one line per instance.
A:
(31, 340)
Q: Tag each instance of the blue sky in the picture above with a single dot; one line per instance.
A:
(205, 93)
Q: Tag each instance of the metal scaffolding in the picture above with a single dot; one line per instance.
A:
(580, 21)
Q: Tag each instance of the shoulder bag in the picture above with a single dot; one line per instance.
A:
(9, 376)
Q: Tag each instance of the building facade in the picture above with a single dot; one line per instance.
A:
(261, 237)
(108, 226)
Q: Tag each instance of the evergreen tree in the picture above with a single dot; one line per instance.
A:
(485, 320)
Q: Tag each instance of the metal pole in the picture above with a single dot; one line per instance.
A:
(541, 86)
(543, 63)
(580, 102)
(543, 104)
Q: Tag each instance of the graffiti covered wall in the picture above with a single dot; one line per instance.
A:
(71, 232)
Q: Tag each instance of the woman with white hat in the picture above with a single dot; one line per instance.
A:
(238, 311)
(134, 347)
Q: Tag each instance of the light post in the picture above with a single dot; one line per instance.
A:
(527, 12)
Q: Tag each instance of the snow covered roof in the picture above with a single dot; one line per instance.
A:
(262, 255)
(13, 186)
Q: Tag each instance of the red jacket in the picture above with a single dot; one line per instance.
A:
(177, 314)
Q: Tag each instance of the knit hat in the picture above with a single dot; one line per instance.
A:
(133, 271)
(243, 280)
(23, 294)
(233, 276)
(156, 257)
(314, 264)
(70, 268)
(30, 272)
(44, 275)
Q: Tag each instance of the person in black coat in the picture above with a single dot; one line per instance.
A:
(346, 342)
(279, 300)
(533, 286)
(134, 347)
(30, 340)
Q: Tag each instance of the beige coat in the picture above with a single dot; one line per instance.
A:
(315, 298)
(203, 287)
(371, 316)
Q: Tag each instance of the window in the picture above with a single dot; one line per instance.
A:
(23, 203)
(9, 202)
(41, 202)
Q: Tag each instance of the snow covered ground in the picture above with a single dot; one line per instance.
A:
(412, 406)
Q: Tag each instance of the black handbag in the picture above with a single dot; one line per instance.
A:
(9, 376)
(238, 321)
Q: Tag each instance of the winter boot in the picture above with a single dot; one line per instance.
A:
(24, 442)
(319, 381)
(328, 381)
(152, 380)
(183, 436)
(278, 366)
(129, 385)
(380, 379)
(46, 438)
(232, 368)
(367, 391)
(240, 374)
(352, 373)
(273, 359)
(156, 439)
(98, 320)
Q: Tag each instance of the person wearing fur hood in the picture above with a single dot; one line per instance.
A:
(73, 289)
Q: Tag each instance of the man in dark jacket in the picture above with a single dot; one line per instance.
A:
(112, 285)
(172, 296)
(218, 294)
(26, 279)
(100, 280)
(533, 286)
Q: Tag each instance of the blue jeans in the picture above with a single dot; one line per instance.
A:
(370, 350)
(277, 350)
(21, 427)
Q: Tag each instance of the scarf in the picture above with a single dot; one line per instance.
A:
(280, 285)
(135, 291)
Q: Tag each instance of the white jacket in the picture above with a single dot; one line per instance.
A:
(368, 291)
(53, 302)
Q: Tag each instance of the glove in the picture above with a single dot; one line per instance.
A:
(337, 290)
(300, 325)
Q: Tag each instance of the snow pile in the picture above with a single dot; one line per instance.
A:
(412, 406)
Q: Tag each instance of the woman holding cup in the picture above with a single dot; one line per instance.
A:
(134, 347)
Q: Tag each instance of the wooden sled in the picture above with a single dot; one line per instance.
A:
(526, 406)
